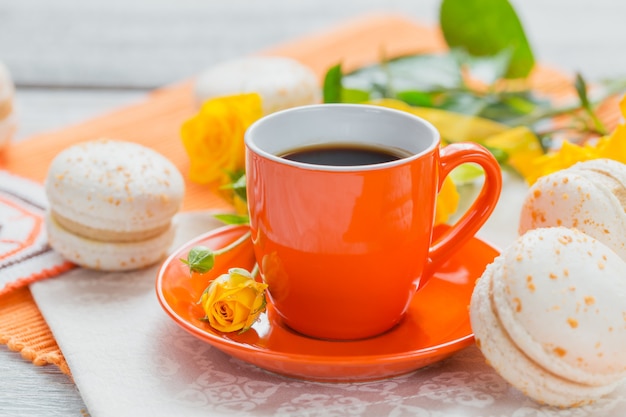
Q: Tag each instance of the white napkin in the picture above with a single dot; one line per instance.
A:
(129, 359)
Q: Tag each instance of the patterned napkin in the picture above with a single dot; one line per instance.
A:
(25, 257)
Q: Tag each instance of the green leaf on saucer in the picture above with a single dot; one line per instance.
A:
(486, 28)
(200, 259)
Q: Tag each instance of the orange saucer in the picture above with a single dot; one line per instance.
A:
(436, 325)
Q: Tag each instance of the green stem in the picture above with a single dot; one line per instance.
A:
(548, 114)
(255, 270)
(599, 126)
(233, 245)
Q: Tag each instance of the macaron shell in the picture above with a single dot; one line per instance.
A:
(609, 167)
(114, 186)
(512, 364)
(567, 198)
(281, 82)
(7, 88)
(8, 121)
(8, 125)
(561, 297)
(108, 256)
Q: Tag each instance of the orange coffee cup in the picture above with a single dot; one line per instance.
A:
(344, 248)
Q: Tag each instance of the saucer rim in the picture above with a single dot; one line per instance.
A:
(239, 349)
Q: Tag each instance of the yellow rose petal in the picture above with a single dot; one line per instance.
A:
(452, 126)
(614, 145)
(521, 145)
(213, 138)
(565, 157)
(233, 301)
(447, 201)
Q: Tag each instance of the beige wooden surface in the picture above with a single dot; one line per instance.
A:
(73, 59)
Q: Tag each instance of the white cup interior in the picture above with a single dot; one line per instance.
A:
(300, 127)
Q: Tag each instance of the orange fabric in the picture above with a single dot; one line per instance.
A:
(23, 329)
(156, 121)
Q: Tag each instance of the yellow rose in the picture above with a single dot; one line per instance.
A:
(447, 201)
(521, 145)
(233, 301)
(612, 146)
(213, 138)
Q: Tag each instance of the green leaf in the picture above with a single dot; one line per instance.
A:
(500, 155)
(581, 89)
(487, 69)
(233, 218)
(332, 85)
(238, 185)
(427, 73)
(485, 28)
(520, 103)
(466, 173)
(352, 95)
(200, 259)
(417, 98)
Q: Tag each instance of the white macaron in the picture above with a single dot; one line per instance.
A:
(281, 82)
(589, 196)
(7, 114)
(549, 315)
(111, 204)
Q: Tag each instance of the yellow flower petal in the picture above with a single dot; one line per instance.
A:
(521, 145)
(213, 138)
(447, 201)
(610, 147)
(233, 301)
(622, 106)
(614, 145)
(453, 127)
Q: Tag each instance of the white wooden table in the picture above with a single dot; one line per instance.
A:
(72, 60)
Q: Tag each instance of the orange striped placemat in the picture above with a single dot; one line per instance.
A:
(156, 121)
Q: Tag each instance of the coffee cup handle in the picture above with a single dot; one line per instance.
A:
(466, 227)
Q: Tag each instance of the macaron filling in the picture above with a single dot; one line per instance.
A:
(107, 235)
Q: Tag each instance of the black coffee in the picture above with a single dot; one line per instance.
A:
(344, 155)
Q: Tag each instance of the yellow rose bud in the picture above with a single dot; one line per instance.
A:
(233, 301)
